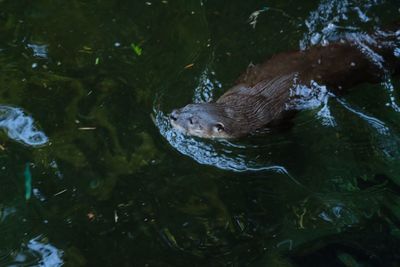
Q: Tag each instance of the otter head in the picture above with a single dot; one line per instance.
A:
(206, 120)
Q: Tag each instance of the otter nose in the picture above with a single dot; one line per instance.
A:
(174, 115)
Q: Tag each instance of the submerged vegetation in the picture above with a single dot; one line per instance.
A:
(100, 180)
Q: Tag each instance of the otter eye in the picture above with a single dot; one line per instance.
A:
(219, 127)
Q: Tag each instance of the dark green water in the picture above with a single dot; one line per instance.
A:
(83, 115)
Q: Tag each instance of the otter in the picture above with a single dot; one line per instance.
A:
(264, 92)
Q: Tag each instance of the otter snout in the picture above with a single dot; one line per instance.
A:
(202, 120)
(183, 121)
(177, 120)
(177, 117)
(174, 115)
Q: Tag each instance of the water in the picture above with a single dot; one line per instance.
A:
(85, 88)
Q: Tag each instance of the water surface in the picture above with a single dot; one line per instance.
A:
(91, 173)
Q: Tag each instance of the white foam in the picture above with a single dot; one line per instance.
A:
(311, 97)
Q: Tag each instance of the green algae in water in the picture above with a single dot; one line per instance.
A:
(28, 181)
(237, 218)
(137, 49)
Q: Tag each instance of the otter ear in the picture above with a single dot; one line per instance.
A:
(219, 127)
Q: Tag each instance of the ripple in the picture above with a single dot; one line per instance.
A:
(325, 23)
(38, 252)
(379, 125)
(204, 92)
(39, 51)
(20, 127)
(323, 26)
(205, 153)
(48, 255)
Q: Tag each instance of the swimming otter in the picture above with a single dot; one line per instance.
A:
(263, 93)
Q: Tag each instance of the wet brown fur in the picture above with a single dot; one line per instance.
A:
(262, 92)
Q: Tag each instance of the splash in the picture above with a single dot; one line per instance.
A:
(364, 43)
(312, 97)
(330, 22)
(20, 127)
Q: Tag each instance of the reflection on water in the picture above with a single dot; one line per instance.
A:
(227, 157)
(373, 122)
(21, 127)
(40, 254)
(39, 50)
(48, 255)
(331, 19)
(112, 189)
(205, 91)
